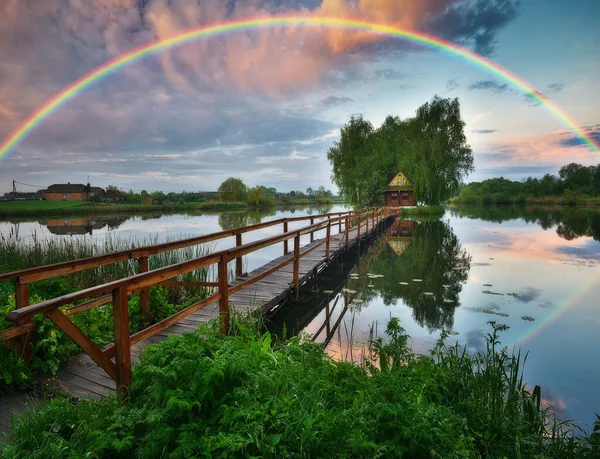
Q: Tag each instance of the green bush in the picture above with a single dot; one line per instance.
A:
(203, 394)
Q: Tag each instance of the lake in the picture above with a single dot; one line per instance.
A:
(536, 271)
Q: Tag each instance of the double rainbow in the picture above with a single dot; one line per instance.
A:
(220, 28)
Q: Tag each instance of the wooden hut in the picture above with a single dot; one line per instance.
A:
(399, 191)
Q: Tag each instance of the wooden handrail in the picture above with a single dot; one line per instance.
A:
(29, 275)
(147, 279)
(117, 291)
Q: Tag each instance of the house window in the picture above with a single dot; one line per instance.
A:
(405, 195)
(64, 195)
(394, 196)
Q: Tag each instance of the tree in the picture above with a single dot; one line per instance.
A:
(232, 190)
(430, 149)
(309, 191)
(253, 196)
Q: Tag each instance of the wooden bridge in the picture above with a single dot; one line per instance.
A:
(100, 371)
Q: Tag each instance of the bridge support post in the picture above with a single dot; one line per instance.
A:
(340, 223)
(328, 242)
(367, 221)
(296, 266)
(122, 340)
(238, 260)
(347, 230)
(312, 233)
(21, 294)
(285, 243)
(143, 267)
(224, 291)
(358, 235)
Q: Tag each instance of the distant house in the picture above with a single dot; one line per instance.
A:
(97, 192)
(114, 196)
(68, 192)
(399, 191)
(73, 226)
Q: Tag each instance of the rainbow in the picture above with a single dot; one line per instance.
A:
(220, 28)
(576, 298)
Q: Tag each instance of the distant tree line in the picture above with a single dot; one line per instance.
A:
(234, 190)
(574, 183)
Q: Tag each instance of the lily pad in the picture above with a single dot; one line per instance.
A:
(417, 280)
(527, 318)
(446, 300)
(516, 295)
(445, 286)
(315, 291)
(487, 285)
(489, 311)
(371, 285)
(347, 290)
(428, 293)
(357, 301)
(452, 332)
(327, 292)
(403, 283)
(502, 314)
(489, 292)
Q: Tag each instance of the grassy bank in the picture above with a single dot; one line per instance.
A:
(50, 346)
(61, 208)
(243, 395)
(422, 210)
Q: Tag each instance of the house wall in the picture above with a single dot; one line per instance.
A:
(394, 199)
(78, 196)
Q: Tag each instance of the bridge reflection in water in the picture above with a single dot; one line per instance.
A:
(333, 294)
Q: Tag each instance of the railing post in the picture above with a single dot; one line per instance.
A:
(285, 243)
(296, 279)
(122, 343)
(358, 235)
(347, 230)
(312, 233)
(21, 294)
(224, 291)
(367, 220)
(143, 267)
(328, 243)
(238, 260)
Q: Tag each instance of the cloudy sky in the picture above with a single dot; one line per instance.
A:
(265, 105)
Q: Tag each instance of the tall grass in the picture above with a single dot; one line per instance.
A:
(245, 395)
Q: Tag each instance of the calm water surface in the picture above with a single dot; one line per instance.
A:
(536, 271)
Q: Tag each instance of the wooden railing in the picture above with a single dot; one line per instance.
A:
(116, 292)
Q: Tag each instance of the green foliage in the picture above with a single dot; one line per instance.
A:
(232, 190)
(244, 396)
(429, 148)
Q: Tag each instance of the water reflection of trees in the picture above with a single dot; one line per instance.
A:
(230, 220)
(434, 255)
(570, 223)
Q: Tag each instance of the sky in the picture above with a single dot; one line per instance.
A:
(265, 105)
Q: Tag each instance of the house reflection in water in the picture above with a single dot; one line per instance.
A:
(69, 227)
(400, 236)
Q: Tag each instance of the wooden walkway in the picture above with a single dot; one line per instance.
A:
(81, 377)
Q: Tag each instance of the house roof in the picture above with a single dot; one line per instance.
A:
(398, 180)
(68, 188)
(97, 190)
(114, 194)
